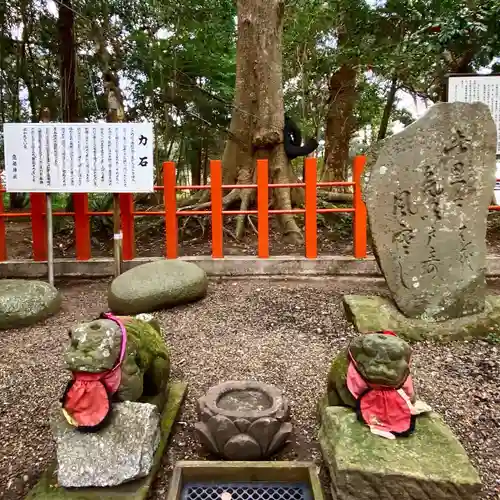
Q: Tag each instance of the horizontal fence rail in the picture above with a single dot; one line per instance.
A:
(82, 215)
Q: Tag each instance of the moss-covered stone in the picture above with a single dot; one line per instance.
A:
(26, 302)
(48, 489)
(157, 285)
(373, 313)
(337, 391)
(431, 464)
(95, 347)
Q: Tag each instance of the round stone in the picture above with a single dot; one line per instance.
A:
(26, 302)
(157, 285)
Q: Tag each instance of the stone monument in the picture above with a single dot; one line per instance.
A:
(427, 191)
(426, 463)
(244, 420)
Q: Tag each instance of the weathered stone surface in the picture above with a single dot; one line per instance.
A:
(157, 285)
(380, 359)
(120, 452)
(48, 488)
(374, 313)
(243, 420)
(427, 192)
(95, 347)
(25, 302)
(431, 464)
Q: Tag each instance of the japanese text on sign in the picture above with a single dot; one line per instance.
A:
(477, 88)
(79, 157)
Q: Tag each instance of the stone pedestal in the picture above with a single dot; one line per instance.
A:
(120, 452)
(431, 464)
(48, 487)
(373, 313)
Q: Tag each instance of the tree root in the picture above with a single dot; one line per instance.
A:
(256, 231)
(231, 197)
(199, 197)
(335, 197)
(240, 221)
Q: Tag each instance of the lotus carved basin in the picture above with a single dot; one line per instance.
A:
(243, 420)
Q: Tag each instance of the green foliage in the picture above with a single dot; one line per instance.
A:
(493, 338)
(176, 62)
(101, 202)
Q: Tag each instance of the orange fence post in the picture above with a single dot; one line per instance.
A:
(216, 197)
(82, 226)
(3, 239)
(359, 206)
(128, 227)
(38, 226)
(169, 195)
(263, 208)
(311, 207)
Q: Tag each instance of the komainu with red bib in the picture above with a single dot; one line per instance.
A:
(373, 376)
(112, 358)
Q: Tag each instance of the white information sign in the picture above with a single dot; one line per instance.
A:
(497, 185)
(79, 157)
(474, 88)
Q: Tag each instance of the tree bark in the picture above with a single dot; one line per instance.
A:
(67, 50)
(256, 130)
(339, 123)
(195, 162)
(386, 116)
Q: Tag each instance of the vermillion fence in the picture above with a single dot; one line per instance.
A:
(82, 215)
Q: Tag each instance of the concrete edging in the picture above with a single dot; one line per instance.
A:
(226, 267)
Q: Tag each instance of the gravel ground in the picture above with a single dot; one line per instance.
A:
(284, 333)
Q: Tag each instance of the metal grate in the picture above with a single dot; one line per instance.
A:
(246, 491)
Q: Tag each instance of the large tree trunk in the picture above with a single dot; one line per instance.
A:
(67, 69)
(389, 104)
(339, 123)
(256, 129)
(67, 52)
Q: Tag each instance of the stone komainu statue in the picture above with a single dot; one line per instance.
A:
(113, 359)
(373, 376)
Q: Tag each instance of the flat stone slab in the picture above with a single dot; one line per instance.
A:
(121, 452)
(157, 285)
(48, 489)
(26, 302)
(374, 313)
(429, 465)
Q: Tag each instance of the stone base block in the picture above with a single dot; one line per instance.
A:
(48, 487)
(119, 453)
(429, 465)
(373, 313)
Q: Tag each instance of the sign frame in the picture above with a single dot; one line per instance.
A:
(476, 75)
(82, 157)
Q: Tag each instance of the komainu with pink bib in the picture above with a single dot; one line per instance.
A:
(370, 396)
(107, 426)
(373, 376)
(112, 358)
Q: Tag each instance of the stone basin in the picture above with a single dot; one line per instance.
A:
(243, 420)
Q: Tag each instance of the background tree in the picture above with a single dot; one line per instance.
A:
(338, 67)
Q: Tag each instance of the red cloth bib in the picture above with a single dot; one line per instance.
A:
(386, 410)
(87, 399)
